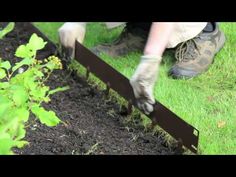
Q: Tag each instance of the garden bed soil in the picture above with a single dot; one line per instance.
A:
(93, 124)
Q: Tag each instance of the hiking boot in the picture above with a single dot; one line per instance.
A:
(132, 39)
(196, 55)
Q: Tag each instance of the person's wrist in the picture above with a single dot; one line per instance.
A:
(153, 50)
(151, 58)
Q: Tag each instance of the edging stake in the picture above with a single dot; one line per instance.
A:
(180, 146)
(130, 107)
(107, 89)
(87, 72)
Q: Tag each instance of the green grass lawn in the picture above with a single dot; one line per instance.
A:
(207, 102)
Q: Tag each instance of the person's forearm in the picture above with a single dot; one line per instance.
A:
(159, 36)
(145, 76)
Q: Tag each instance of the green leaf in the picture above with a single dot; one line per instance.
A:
(19, 95)
(36, 43)
(4, 85)
(46, 117)
(6, 143)
(5, 146)
(6, 65)
(26, 61)
(29, 50)
(22, 114)
(38, 73)
(5, 105)
(20, 134)
(50, 65)
(7, 29)
(39, 93)
(2, 73)
(10, 124)
(59, 89)
(30, 83)
(26, 79)
(46, 99)
(24, 52)
(21, 144)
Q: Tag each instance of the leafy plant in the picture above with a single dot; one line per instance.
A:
(10, 26)
(22, 93)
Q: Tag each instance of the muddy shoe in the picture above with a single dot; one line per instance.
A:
(196, 55)
(132, 39)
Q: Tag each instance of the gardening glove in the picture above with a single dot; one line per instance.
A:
(143, 82)
(68, 34)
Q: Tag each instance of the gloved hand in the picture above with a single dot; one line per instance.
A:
(143, 82)
(68, 34)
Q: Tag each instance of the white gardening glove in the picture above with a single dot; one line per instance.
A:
(69, 33)
(143, 82)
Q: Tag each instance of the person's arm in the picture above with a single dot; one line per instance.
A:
(158, 39)
(145, 76)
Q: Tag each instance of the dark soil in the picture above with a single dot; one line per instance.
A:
(93, 124)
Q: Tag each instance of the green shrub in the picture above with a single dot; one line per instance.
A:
(22, 93)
